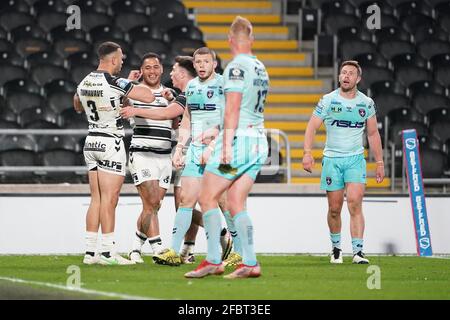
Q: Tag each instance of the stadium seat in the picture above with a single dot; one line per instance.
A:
(429, 48)
(426, 102)
(129, 6)
(426, 33)
(11, 58)
(438, 114)
(128, 20)
(338, 7)
(385, 8)
(107, 33)
(441, 129)
(66, 47)
(73, 120)
(187, 46)
(83, 58)
(7, 115)
(415, 21)
(391, 48)
(20, 85)
(442, 7)
(352, 48)
(18, 151)
(8, 125)
(10, 20)
(3, 33)
(45, 58)
(28, 46)
(43, 74)
(409, 74)
(131, 59)
(168, 20)
(78, 73)
(160, 7)
(41, 6)
(408, 59)
(39, 118)
(395, 131)
(431, 142)
(426, 87)
(338, 21)
(147, 32)
(185, 32)
(92, 20)
(353, 33)
(389, 101)
(433, 163)
(392, 34)
(140, 47)
(382, 87)
(58, 142)
(60, 101)
(60, 86)
(60, 33)
(444, 22)
(373, 74)
(15, 5)
(91, 6)
(28, 31)
(19, 101)
(11, 72)
(6, 46)
(371, 60)
(51, 20)
(412, 7)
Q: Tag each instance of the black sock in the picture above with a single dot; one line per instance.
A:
(90, 253)
(106, 254)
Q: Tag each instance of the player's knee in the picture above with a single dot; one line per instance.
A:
(334, 211)
(354, 205)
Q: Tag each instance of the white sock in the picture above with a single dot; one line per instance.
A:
(156, 244)
(188, 248)
(107, 243)
(139, 240)
(91, 241)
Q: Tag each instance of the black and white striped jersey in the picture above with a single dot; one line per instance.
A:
(148, 134)
(101, 96)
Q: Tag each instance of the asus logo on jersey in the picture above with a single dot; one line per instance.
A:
(205, 107)
(347, 124)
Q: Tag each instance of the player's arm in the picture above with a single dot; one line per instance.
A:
(373, 136)
(314, 124)
(77, 103)
(141, 93)
(183, 136)
(170, 112)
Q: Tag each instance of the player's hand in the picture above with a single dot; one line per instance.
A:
(134, 75)
(127, 112)
(167, 94)
(205, 156)
(207, 136)
(227, 154)
(308, 162)
(379, 172)
(178, 158)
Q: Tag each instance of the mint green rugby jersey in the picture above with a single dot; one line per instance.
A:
(206, 101)
(247, 75)
(345, 121)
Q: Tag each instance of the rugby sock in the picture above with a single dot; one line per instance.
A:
(357, 245)
(232, 228)
(335, 240)
(91, 242)
(181, 225)
(156, 244)
(188, 247)
(213, 227)
(107, 244)
(139, 240)
(244, 229)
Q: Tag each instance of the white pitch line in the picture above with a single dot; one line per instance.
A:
(81, 290)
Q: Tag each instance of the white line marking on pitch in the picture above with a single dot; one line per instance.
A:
(71, 289)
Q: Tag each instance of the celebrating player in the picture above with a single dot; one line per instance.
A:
(346, 112)
(240, 151)
(99, 94)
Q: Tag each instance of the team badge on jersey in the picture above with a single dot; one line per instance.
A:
(362, 112)
(236, 74)
(210, 94)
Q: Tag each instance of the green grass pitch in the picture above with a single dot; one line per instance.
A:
(284, 277)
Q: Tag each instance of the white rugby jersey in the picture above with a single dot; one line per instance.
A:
(148, 134)
(101, 96)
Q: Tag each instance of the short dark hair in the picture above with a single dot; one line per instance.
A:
(151, 55)
(353, 63)
(205, 50)
(106, 48)
(187, 63)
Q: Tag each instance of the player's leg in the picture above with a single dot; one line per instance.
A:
(92, 219)
(355, 180)
(335, 202)
(187, 251)
(226, 241)
(109, 185)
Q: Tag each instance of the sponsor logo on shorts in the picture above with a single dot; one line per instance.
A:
(362, 112)
(146, 173)
(328, 180)
(111, 165)
(95, 146)
(135, 177)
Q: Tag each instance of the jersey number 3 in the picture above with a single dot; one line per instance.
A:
(259, 107)
(94, 114)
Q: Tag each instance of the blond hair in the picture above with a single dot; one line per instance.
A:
(241, 27)
(353, 63)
